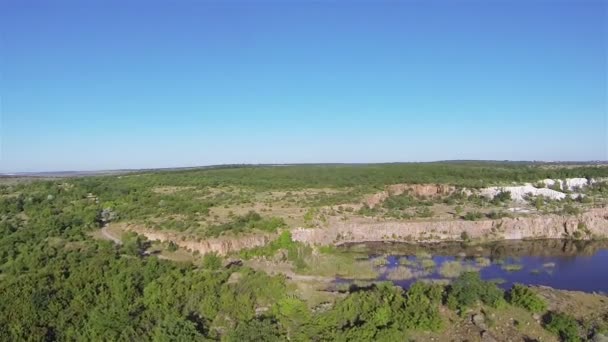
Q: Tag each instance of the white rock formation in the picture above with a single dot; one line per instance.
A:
(519, 193)
(574, 183)
(569, 183)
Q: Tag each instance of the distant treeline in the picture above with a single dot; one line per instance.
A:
(469, 174)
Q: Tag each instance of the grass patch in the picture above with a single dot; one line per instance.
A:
(512, 267)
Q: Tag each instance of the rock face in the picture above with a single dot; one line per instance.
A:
(419, 190)
(518, 193)
(221, 245)
(593, 223)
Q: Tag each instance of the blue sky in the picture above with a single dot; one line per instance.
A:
(90, 85)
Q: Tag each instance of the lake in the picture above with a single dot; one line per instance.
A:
(561, 264)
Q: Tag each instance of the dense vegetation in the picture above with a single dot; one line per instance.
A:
(58, 283)
(372, 175)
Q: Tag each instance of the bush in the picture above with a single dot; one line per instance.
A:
(212, 261)
(563, 325)
(424, 212)
(469, 289)
(494, 215)
(422, 306)
(172, 246)
(246, 223)
(503, 196)
(368, 211)
(569, 209)
(522, 296)
(473, 216)
(263, 329)
(465, 236)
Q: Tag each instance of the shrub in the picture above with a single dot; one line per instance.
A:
(501, 197)
(212, 261)
(465, 236)
(368, 211)
(494, 215)
(172, 247)
(400, 202)
(523, 297)
(473, 215)
(245, 223)
(422, 306)
(563, 325)
(263, 329)
(569, 209)
(469, 289)
(424, 212)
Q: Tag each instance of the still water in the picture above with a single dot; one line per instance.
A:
(568, 265)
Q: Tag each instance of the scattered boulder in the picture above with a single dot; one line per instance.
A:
(280, 256)
(234, 263)
(479, 320)
(487, 337)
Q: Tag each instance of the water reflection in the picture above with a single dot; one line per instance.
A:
(571, 265)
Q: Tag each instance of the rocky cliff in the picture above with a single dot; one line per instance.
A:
(222, 245)
(592, 224)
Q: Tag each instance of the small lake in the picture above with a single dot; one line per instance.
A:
(568, 265)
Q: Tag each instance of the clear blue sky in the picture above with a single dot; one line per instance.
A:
(132, 84)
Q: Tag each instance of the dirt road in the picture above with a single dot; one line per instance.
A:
(109, 236)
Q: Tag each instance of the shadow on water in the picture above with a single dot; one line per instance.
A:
(562, 264)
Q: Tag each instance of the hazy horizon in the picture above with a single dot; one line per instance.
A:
(180, 167)
(112, 85)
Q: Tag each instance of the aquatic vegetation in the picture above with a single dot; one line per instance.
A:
(437, 281)
(512, 267)
(427, 264)
(400, 273)
(483, 262)
(379, 261)
(405, 261)
(423, 255)
(451, 269)
(497, 281)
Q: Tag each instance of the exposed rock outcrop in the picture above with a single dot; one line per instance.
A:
(222, 245)
(519, 193)
(593, 223)
(418, 190)
(568, 183)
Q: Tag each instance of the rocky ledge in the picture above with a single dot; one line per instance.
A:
(592, 224)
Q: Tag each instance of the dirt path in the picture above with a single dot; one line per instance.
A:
(274, 268)
(109, 236)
